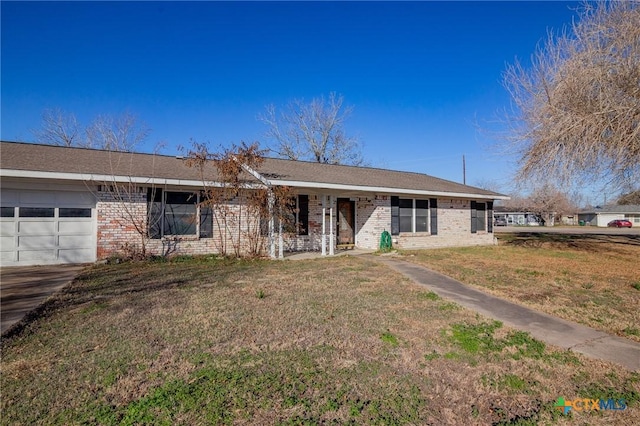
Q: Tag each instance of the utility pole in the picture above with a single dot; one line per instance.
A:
(464, 171)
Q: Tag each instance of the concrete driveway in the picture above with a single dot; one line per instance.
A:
(24, 288)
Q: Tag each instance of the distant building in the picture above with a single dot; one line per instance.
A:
(601, 216)
(504, 216)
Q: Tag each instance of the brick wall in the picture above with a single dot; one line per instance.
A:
(454, 229)
(118, 215)
(117, 223)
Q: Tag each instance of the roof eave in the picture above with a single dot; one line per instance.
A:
(389, 190)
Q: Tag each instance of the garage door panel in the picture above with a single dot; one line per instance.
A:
(75, 228)
(49, 227)
(76, 255)
(7, 243)
(7, 228)
(36, 227)
(36, 255)
(36, 242)
(7, 256)
(74, 241)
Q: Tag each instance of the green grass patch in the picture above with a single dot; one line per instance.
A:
(479, 339)
(389, 338)
(429, 295)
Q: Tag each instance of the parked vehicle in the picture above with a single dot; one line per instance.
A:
(500, 221)
(620, 223)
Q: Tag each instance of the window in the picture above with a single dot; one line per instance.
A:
(297, 217)
(422, 215)
(406, 215)
(7, 211)
(178, 213)
(478, 216)
(302, 219)
(410, 215)
(36, 212)
(74, 212)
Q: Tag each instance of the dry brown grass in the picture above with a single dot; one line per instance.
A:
(590, 279)
(214, 341)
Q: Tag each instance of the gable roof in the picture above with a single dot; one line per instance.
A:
(56, 162)
(626, 208)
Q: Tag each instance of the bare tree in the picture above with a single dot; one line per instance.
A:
(313, 131)
(576, 109)
(544, 201)
(632, 197)
(59, 128)
(120, 133)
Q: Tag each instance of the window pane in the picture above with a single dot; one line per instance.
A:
(406, 203)
(180, 219)
(206, 222)
(422, 204)
(421, 223)
(36, 211)
(155, 220)
(405, 223)
(7, 211)
(481, 216)
(181, 198)
(71, 212)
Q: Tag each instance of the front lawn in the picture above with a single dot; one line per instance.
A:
(590, 279)
(332, 341)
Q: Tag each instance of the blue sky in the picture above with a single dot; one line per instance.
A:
(419, 74)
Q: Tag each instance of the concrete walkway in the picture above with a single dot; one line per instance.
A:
(549, 329)
(24, 288)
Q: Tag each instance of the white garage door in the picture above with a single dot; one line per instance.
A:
(47, 227)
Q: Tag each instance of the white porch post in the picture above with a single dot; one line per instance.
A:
(280, 241)
(331, 242)
(272, 240)
(324, 226)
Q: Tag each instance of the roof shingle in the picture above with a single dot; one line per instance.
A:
(57, 159)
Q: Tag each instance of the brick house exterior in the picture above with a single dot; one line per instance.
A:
(338, 206)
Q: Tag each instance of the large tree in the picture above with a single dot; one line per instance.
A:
(312, 131)
(114, 133)
(576, 107)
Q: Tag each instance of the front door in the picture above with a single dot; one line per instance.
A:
(346, 221)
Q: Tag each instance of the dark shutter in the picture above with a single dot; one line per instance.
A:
(490, 216)
(303, 215)
(474, 215)
(154, 212)
(433, 210)
(395, 215)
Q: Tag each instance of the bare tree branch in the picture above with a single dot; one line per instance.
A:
(312, 131)
(576, 109)
(59, 128)
(122, 133)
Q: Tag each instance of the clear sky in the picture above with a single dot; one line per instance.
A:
(418, 74)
